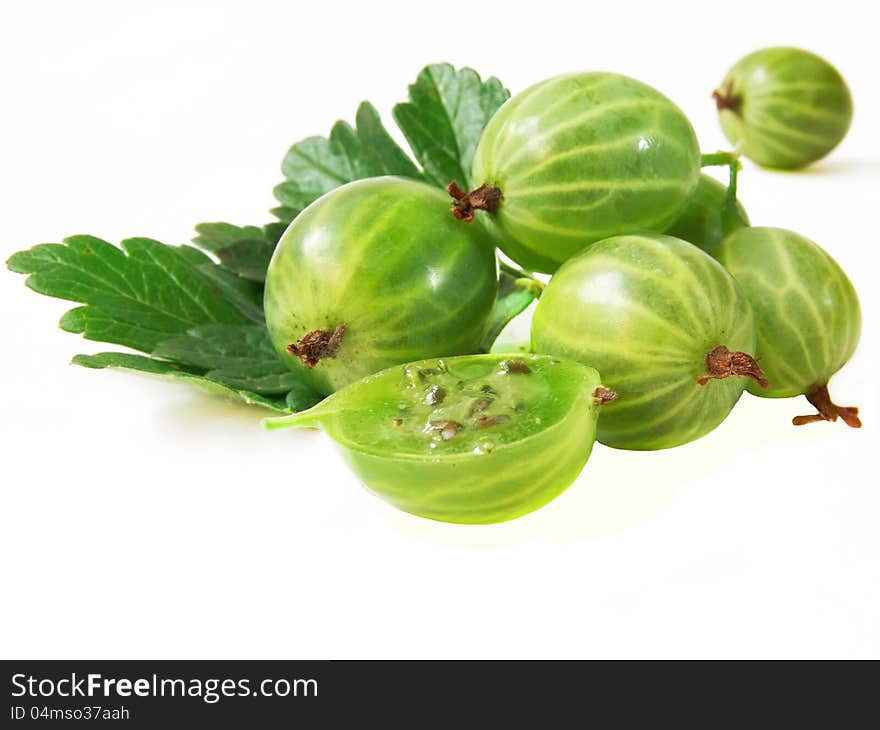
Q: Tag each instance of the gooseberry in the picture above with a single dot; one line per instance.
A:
(579, 158)
(474, 439)
(807, 314)
(665, 324)
(709, 216)
(784, 107)
(376, 273)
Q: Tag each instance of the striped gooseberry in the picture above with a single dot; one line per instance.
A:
(669, 329)
(376, 273)
(578, 158)
(807, 314)
(709, 216)
(784, 107)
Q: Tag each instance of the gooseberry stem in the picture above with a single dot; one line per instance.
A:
(722, 363)
(731, 215)
(523, 279)
(828, 410)
(719, 159)
(317, 345)
(486, 197)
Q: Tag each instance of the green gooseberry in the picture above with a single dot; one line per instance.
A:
(784, 107)
(709, 216)
(472, 439)
(578, 158)
(666, 325)
(807, 314)
(376, 273)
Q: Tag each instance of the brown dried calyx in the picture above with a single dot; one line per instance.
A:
(603, 395)
(722, 363)
(726, 99)
(828, 410)
(317, 345)
(486, 197)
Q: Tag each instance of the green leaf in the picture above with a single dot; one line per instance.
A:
(204, 319)
(240, 356)
(444, 117)
(384, 154)
(443, 120)
(244, 250)
(245, 294)
(171, 371)
(301, 398)
(137, 296)
(274, 231)
(284, 214)
(516, 290)
(318, 164)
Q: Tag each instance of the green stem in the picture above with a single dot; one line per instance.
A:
(523, 279)
(720, 158)
(304, 419)
(732, 217)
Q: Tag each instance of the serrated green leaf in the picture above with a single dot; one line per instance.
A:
(384, 154)
(130, 361)
(284, 214)
(240, 356)
(301, 397)
(169, 370)
(244, 250)
(136, 296)
(274, 231)
(317, 164)
(74, 320)
(245, 294)
(215, 237)
(444, 118)
(208, 316)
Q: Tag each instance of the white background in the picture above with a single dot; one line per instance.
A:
(144, 519)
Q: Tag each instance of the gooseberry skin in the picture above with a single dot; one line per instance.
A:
(705, 220)
(806, 309)
(582, 157)
(384, 258)
(784, 107)
(646, 311)
(536, 455)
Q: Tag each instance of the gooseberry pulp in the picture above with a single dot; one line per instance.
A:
(373, 274)
(666, 325)
(474, 439)
(807, 314)
(709, 216)
(579, 158)
(784, 107)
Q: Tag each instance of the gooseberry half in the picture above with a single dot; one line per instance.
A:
(473, 439)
